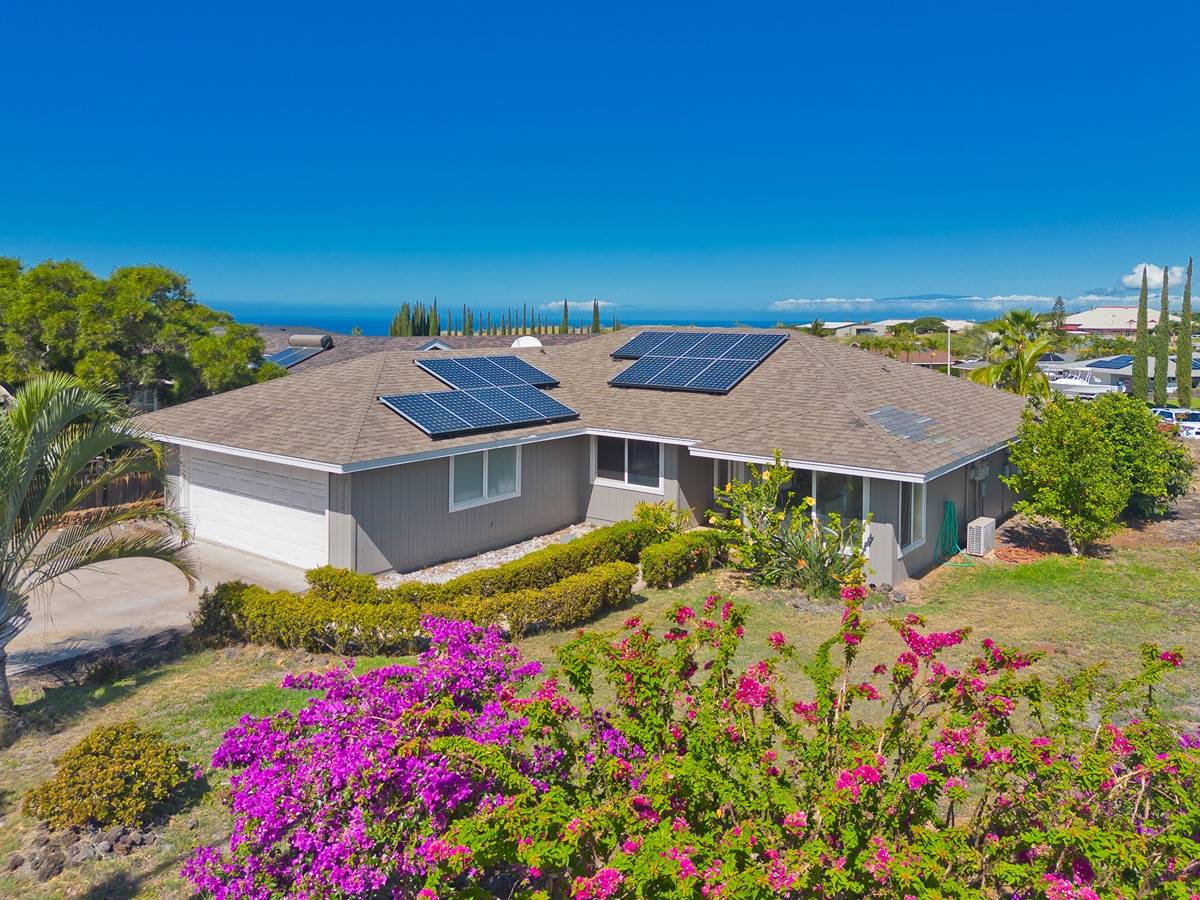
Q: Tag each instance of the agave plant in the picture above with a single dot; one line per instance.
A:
(53, 431)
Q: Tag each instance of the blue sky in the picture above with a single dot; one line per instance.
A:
(699, 158)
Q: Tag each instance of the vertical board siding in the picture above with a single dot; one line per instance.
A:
(402, 513)
(341, 522)
(695, 484)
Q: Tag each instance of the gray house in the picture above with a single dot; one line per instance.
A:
(387, 462)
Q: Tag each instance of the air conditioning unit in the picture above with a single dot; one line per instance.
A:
(981, 536)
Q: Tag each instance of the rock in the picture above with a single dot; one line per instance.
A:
(898, 596)
(885, 588)
(114, 834)
(192, 823)
(123, 847)
(14, 862)
(135, 838)
(40, 839)
(103, 847)
(49, 865)
(80, 852)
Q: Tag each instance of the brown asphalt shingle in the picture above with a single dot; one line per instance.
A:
(812, 399)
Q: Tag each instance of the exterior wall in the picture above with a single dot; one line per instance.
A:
(173, 487)
(686, 482)
(695, 484)
(342, 532)
(401, 515)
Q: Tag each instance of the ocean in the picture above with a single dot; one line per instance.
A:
(376, 321)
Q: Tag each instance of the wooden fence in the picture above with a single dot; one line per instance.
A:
(130, 489)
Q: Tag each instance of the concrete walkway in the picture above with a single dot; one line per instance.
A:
(131, 599)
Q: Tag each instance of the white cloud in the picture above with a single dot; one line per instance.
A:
(809, 302)
(1175, 275)
(872, 306)
(576, 305)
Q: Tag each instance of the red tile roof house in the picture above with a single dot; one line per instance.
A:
(314, 468)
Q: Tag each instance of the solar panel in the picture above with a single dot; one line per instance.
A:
(290, 356)
(446, 413)
(1116, 362)
(471, 372)
(641, 345)
(701, 361)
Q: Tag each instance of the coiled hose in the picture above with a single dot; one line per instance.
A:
(948, 546)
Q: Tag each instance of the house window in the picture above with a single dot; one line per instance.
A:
(484, 477)
(912, 516)
(627, 463)
(838, 493)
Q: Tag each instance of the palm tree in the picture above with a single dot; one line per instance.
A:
(50, 435)
(1019, 372)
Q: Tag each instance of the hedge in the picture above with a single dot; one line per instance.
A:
(680, 557)
(571, 601)
(622, 542)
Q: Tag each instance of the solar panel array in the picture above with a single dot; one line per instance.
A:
(472, 372)
(290, 356)
(701, 361)
(1116, 362)
(445, 413)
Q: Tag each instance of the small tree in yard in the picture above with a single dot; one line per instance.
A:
(54, 429)
(1157, 465)
(1067, 472)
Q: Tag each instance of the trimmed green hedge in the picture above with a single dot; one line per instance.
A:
(680, 557)
(571, 601)
(307, 622)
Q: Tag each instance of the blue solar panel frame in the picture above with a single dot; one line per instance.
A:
(697, 361)
(450, 413)
(468, 373)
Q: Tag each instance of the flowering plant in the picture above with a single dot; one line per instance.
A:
(705, 777)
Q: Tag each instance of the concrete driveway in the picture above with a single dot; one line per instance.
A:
(131, 599)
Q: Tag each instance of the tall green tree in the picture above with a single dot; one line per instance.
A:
(595, 317)
(53, 431)
(1058, 314)
(1066, 472)
(1140, 386)
(1183, 345)
(565, 326)
(1162, 345)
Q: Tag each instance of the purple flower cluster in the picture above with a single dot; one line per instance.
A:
(351, 794)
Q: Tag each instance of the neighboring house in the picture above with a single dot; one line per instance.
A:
(310, 348)
(314, 468)
(1109, 321)
(880, 328)
(1118, 370)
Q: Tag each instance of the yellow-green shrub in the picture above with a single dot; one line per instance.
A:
(215, 620)
(307, 622)
(571, 601)
(117, 775)
(680, 557)
(342, 585)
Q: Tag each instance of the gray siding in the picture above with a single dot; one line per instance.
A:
(695, 484)
(173, 489)
(402, 519)
(604, 503)
(342, 536)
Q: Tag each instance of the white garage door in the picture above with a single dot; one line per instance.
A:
(266, 508)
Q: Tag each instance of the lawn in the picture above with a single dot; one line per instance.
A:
(1076, 611)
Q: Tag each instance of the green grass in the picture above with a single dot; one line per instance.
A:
(1076, 611)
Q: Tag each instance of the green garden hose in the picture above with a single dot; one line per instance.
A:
(948, 547)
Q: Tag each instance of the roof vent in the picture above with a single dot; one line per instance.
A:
(526, 341)
(323, 341)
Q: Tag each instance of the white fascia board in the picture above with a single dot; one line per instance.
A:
(808, 464)
(966, 461)
(638, 436)
(247, 454)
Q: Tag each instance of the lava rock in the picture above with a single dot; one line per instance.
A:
(14, 862)
(114, 834)
(40, 839)
(48, 865)
(103, 847)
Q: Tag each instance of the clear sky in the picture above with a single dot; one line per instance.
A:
(703, 158)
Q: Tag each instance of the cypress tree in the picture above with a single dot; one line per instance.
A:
(1141, 347)
(565, 326)
(1183, 345)
(1162, 346)
(595, 317)
(435, 324)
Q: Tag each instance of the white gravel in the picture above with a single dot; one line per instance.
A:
(447, 570)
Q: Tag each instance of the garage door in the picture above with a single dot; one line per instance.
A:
(266, 508)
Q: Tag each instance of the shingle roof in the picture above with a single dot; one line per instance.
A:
(352, 346)
(815, 400)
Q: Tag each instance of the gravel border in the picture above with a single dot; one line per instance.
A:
(452, 569)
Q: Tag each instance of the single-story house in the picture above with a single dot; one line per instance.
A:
(373, 464)
(1109, 321)
(301, 348)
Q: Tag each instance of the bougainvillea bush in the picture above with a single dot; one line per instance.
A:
(946, 772)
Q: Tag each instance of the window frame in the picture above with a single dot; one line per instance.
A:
(484, 500)
(916, 542)
(625, 485)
